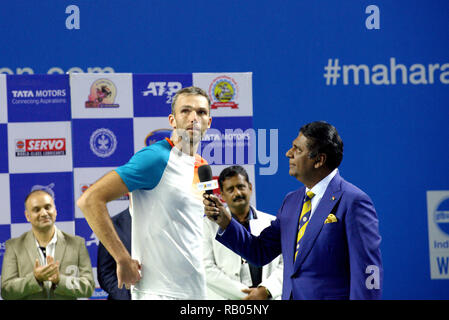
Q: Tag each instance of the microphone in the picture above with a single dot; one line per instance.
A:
(207, 184)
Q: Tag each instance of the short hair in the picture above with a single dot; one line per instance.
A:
(36, 191)
(324, 138)
(230, 172)
(189, 91)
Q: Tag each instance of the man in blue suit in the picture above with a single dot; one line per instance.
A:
(327, 231)
(106, 265)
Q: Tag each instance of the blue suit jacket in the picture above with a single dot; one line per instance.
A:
(106, 265)
(338, 260)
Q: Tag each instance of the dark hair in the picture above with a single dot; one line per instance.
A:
(189, 90)
(35, 191)
(230, 172)
(324, 138)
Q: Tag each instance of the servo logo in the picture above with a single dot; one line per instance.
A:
(223, 91)
(40, 147)
(102, 94)
(103, 142)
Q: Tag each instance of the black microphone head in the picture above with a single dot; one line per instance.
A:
(205, 174)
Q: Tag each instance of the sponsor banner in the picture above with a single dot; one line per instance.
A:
(5, 215)
(153, 94)
(101, 95)
(58, 184)
(438, 227)
(3, 100)
(150, 130)
(3, 146)
(5, 234)
(217, 169)
(230, 93)
(35, 98)
(32, 146)
(102, 142)
(83, 230)
(230, 141)
(85, 177)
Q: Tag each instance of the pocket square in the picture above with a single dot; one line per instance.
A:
(330, 219)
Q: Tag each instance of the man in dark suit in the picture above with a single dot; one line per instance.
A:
(106, 265)
(327, 231)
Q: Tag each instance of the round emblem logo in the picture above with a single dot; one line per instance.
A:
(103, 142)
(157, 135)
(223, 91)
(102, 94)
(441, 216)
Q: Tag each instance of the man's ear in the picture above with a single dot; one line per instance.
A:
(320, 160)
(172, 120)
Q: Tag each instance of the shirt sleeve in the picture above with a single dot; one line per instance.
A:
(145, 169)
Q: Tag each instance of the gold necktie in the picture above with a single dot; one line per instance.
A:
(304, 218)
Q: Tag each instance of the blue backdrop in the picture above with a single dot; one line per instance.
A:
(385, 88)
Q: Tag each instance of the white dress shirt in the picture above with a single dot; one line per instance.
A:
(319, 189)
(49, 251)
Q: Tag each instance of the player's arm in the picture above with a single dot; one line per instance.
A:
(93, 205)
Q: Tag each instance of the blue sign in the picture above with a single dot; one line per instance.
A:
(59, 184)
(153, 94)
(38, 98)
(102, 142)
(5, 234)
(83, 230)
(3, 146)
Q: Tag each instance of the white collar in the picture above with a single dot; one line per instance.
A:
(53, 239)
(320, 188)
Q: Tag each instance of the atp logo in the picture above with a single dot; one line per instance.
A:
(103, 142)
(93, 240)
(160, 88)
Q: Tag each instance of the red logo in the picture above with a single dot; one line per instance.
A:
(40, 147)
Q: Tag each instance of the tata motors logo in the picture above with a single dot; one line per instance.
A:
(40, 147)
(160, 88)
(438, 223)
(103, 142)
(102, 94)
(223, 92)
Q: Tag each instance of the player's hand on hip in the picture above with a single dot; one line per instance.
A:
(128, 273)
(216, 211)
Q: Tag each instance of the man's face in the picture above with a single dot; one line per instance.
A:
(191, 118)
(237, 193)
(301, 166)
(40, 211)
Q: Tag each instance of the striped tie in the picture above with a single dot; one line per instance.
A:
(304, 218)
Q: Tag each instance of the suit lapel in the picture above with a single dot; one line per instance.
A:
(293, 223)
(31, 248)
(327, 203)
(60, 246)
